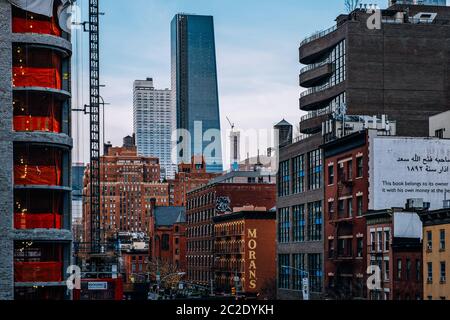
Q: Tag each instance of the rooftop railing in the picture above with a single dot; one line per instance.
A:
(315, 65)
(318, 35)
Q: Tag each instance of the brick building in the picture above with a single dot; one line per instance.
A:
(128, 184)
(244, 251)
(189, 176)
(168, 236)
(217, 198)
(436, 253)
(394, 245)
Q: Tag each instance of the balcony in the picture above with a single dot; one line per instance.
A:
(312, 122)
(313, 74)
(319, 43)
(319, 97)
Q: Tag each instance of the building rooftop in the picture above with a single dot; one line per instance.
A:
(168, 216)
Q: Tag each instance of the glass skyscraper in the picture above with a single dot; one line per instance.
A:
(195, 90)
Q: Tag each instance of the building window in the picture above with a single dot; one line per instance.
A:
(299, 223)
(315, 170)
(315, 272)
(430, 272)
(439, 133)
(283, 179)
(315, 221)
(165, 242)
(330, 175)
(408, 269)
(360, 167)
(359, 206)
(360, 248)
(380, 241)
(399, 269)
(341, 208)
(443, 272)
(418, 270)
(386, 270)
(350, 208)
(330, 249)
(387, 240)
(350, 170)
(429, 240)
(298, 271)
(442, 240)
(283, 225)
(298, 173)
(283, 271)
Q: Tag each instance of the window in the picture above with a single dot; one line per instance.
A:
(341, 208)
(399, 269)
(299, 223)
(315, 272)
(430, 272)
(372, 241)
(386, 270)
(350, 170)
(283, 179)
(331, 209)
(315, 170)
(408, 269)
(439, 133)
(442, 240)
(360, 167)
(299, 266)
(283, 225)
(387, 240)
(359, 206)
(380, 241)
(298, 174)
(418, 270)
(330, 249)
(283, 271)
(165, 242)
(330, 175)
(315, 221)
(350, 208)
(429, 241)
(360, 248)
(443, 272)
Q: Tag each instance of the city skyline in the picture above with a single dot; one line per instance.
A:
(257, 60)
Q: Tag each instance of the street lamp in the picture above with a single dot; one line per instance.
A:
(305, 280)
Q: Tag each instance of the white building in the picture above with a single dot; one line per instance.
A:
(440, 125)
(152, 121)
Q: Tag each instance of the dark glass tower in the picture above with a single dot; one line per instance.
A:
(195, 90)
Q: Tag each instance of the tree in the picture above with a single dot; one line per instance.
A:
(351, 5)
(170, 275)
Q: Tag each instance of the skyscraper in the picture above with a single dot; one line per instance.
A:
(152, 120)
(195, 90)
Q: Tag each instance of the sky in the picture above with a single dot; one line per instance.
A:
(257, 55)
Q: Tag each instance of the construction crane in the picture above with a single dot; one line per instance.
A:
(231, 124)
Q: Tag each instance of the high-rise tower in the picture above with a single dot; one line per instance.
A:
(195, 90)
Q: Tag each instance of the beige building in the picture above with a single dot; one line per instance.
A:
(440, 125)
(436, 254)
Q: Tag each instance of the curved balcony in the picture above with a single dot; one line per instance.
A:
(312, 122)
(319, 43)
(313, 74)
(318, 97)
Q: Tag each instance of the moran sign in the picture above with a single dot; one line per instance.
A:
(407, 168)
(252, 245)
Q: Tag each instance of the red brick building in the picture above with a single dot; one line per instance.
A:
(394, 245)
(217, 198)
(346, 200)
(168, 236)
(244, 251)
(128, 183)
(190, 176)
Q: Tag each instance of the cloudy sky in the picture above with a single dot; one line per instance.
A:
(257, 54)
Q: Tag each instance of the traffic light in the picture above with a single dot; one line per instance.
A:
(233, 291)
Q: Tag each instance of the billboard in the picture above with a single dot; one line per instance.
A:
(406, 168)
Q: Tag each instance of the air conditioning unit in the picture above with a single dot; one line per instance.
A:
(430, 279)
(430, 247)
(443, 279)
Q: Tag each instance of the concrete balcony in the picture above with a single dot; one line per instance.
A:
(312, 122)
(319, 43)
(318, 97)
(313, 74)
